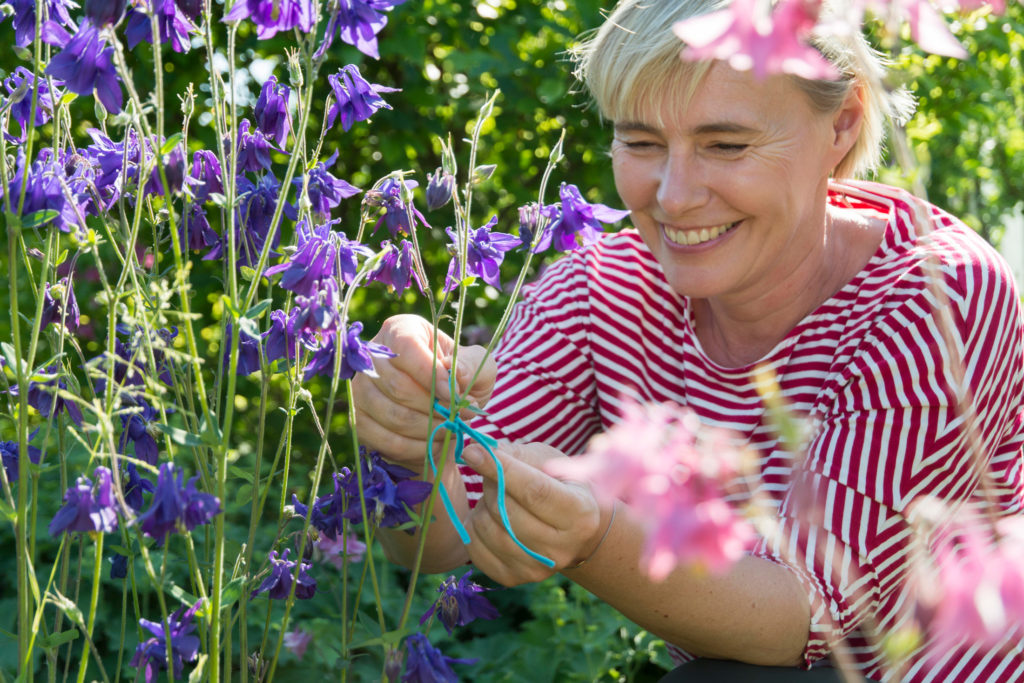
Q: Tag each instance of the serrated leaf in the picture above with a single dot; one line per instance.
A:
(55, 640)
(179, 436)
(170, 144)
(38, 218)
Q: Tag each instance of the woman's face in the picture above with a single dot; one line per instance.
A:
(729, 194)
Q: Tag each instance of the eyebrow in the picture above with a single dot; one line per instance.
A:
(703, 129)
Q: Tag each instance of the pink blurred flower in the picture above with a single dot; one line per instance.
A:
(673, 472)
(297, 641)
(750, 34)
(976, 587)
(334, 551)
(927, 26)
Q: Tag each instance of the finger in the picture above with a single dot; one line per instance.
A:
(412, 339)
(401, 418)
(494, 552)
(477, 366)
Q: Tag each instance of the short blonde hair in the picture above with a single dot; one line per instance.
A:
(631, 64)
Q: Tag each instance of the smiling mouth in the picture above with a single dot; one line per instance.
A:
(690, 238)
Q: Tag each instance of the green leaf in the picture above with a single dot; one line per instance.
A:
(181, 595)
(240, 473)
(7, 512)
(62, 257)
(170, 144)
(197, 673)
(231, 592)
(55, 640)
(38, 218)
(180, 436)
(257, 311)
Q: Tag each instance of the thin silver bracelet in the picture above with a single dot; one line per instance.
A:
(615, 507)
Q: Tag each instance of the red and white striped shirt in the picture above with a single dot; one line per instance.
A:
(869, 369)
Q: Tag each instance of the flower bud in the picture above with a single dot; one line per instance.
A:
(483, 172)
(440, 187)
(102, 12)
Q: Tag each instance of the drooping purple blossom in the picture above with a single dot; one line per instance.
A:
(328, 511)
(440, 187)
(460, 603)
(325, 190)
(87, 506)
(355, 98)
(173, 24)
(118, 566)
(485, 250)
(44, 395)
(578, 222)
(20, 85)
(117, 163)
(248, 350)
(43, 192)
(389, 490)
(151, 655)
(11, 452)
(336, 551)
(60, 306)
(174, 170)
(271, 110)
(176, 506)
(24, 12)
(135, 485)
(533, 218)
(135, 428)
(253, 149)
(357, 22)
(320, 252)
(399, 215)
(85, 63)
(357, 356)
(195, 233)
(278, 585)
(206, 176)
(271, 16)
(426, 664)
(101, 12)
(280, 340)
(396, 269)
(297, 641)
(257, 203)
(319, 314)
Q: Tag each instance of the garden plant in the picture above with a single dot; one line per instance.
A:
(192, 287)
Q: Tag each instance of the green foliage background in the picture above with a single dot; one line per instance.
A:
(447, 57)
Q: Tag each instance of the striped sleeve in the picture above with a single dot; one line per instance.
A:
(925, 406)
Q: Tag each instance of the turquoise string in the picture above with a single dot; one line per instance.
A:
(459, 427)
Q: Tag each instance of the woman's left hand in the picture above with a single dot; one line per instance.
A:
(558, 519)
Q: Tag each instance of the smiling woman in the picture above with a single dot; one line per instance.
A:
(891, 330)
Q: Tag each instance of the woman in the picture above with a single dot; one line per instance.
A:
(881, 316)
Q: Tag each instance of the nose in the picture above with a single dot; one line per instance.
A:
(682, 183)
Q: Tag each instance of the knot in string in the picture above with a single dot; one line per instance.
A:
(461, 430)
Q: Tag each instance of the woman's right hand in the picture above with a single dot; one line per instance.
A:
(393, 410)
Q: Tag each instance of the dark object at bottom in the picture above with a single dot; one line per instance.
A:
(721, 671)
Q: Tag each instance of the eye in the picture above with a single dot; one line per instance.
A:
(728, 147)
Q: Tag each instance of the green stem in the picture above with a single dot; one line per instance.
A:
(97, 572)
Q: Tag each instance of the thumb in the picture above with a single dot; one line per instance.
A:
(472, 358)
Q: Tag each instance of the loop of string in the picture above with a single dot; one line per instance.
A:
(458, 426)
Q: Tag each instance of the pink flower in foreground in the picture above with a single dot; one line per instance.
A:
(977, 588)
(750, 34)
(673, 473)
(927, 26)
(334, 551)
(297, 641)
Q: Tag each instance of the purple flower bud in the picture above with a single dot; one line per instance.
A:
(271, 110)
(118, 566)
(440, 187)
(60, 306)
(191, 8)
(87, 507)
(205, 177)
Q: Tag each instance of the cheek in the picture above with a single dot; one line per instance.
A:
(629, 181)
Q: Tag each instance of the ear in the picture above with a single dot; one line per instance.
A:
(847, 122)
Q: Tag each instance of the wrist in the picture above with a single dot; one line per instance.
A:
(596, 547)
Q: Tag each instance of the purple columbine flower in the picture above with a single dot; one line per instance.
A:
(135, 428)
(271, 16)
(328, 511)
(278, 585)
(336, 551)
(24, 12)
(320, 252)
(60, 306)
(135, 486)
(460, 602)
(533, 218)
(10, 452)
(174, 169)
(357, 22)
(355, 98)
(252, 224)
(389, 490)
(357, 356)
(325, 190)
(271, 110)
(118, 566)
(108, 157)
(318, 313)
(253, 149)
(206, 175)
(45, 397)
(297, 641)
(195, 233)
(175, 506)
(87, 507)
(426, 664)
(396, 218)
(43, 191)
(578, 222)
(248, 350)
(85, 63)
(486, 251)
(396, 269)
(280, 340)
(20, 85)
(101, 12)
(152, 653)
(172, 23)
(440, 188)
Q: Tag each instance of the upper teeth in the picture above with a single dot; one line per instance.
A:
(696, 236)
